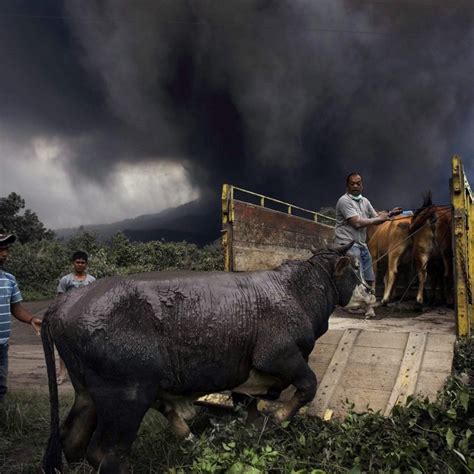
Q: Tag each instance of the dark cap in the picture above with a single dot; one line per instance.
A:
(7, 239)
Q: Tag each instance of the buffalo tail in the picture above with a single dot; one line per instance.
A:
(52, 459)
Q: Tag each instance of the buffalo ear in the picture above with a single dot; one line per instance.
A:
(342, 265)
(342, 249)
(313, 249)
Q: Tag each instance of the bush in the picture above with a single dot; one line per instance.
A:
(39, 265)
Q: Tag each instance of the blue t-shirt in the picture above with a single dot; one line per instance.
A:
(9, 294)
(70, 281)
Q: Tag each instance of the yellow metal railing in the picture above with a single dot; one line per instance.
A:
(228, 191)
(228, 199)
(463, 247)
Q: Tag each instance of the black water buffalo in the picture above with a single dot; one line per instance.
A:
(129, 345)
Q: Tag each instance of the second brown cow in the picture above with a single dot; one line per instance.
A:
(425, 239)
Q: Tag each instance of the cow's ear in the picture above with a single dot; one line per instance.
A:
(341, 265)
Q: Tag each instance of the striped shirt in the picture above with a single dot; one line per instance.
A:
(9, 294)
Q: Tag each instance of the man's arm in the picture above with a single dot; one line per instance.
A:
(359, 222)
(23, 315)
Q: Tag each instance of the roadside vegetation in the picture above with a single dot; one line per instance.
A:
(421, 437)
(38, 259)
(38, 265)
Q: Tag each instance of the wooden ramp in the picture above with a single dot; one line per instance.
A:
(377, 364)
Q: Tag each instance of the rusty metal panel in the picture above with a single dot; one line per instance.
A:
(259, 238)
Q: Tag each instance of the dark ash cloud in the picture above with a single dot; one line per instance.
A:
(281, 97)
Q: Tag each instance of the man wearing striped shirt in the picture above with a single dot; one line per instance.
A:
(10, 298)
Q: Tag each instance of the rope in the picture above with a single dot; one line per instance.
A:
(316, 263)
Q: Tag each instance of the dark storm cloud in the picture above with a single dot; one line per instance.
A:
(284, 98)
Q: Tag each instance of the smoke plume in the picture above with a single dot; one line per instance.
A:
(281, 97)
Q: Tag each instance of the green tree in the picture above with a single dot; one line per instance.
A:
(26, 226)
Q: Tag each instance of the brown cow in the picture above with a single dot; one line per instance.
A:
(431, 230)
(428, 235)
(389, 239)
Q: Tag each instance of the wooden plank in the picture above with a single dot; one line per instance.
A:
(441, 342)
(369, 376)
(409, 369)
(331, 337)
(323, 352)
(334, 372)
(437, 362)
(383, 340)
(378, 355)
(430, 322)
(429, 383)
(361, 399)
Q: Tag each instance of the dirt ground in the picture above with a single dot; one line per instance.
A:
(28, 370)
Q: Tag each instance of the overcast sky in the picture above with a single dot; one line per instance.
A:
(112, 109)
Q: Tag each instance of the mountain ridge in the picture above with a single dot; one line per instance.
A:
(196, 221)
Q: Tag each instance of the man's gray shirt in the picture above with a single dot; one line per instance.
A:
(70, 281)
(346, 208)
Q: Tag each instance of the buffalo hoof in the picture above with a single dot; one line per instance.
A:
(384, 302)
(281, 415)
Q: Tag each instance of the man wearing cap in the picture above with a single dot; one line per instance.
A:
(354, 213)
(10, 298)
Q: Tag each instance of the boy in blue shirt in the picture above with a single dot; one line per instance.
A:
(10, 298)
(76, 279)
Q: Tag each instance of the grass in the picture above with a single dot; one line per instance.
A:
(421, 437)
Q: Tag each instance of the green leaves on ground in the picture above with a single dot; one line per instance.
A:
(421, 437)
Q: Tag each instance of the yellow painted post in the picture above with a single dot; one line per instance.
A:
(470, 243)
(227, 218)
(461, 259)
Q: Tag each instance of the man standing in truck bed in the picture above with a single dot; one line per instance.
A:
(354, 213)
